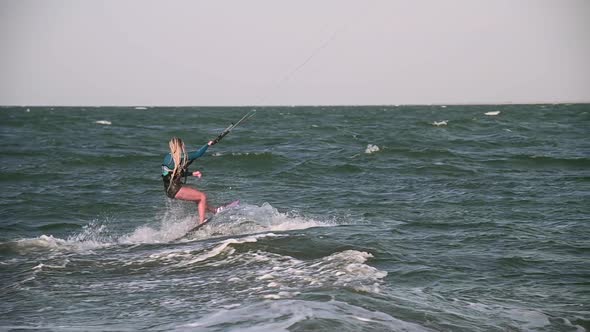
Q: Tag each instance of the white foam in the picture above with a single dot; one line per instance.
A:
(285, 314)
(198, 252)
(272, 296)
(440, 123)
(281, 295)
(42, 241)
(532, 320)
(223, 246)
(104, 122)
(174, 223)
(179, 218)
(52, 243)
(242, 220)
(279, 273)
(249, 219)
(350, 270)
(92, 236)
(371, 149)
(362, 319)
(49, 266)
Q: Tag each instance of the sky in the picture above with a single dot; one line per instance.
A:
(299, 52)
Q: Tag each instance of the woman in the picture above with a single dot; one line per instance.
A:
(175, 167)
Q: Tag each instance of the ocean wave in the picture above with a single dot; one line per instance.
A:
(244, 264)
(289, 315)
(251, 161)
(192, 254)
(112, 160)
(244, 220)
(540, 161)
(249, 219)
(47, 243)
(58, 226)
(423, 152)
(473, 226)
(275, 276)
(245, 155)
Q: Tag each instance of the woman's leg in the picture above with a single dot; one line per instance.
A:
(191, 194)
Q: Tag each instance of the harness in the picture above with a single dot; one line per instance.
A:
(167, 174)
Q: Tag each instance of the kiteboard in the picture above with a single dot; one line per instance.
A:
(206, 221)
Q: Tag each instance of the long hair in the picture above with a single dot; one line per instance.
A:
(178, 153)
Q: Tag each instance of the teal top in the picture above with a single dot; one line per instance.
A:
(168, 163)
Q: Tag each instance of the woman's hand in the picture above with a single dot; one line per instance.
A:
(197, 174)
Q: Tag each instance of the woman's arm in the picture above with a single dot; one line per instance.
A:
(196, 154)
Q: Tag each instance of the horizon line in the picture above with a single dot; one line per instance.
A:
(311, 105)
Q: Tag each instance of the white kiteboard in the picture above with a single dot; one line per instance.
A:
(206, 221)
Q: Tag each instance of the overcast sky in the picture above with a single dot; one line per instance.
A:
(299, 52)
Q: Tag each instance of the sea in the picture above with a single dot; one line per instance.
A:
(351, 218)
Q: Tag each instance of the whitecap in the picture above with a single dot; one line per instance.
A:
(440, 123)
(223, 247)
(50, 243)
(278, 272)
(104, 122)
(371, 149)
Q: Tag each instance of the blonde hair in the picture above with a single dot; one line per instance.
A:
(178, 153)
